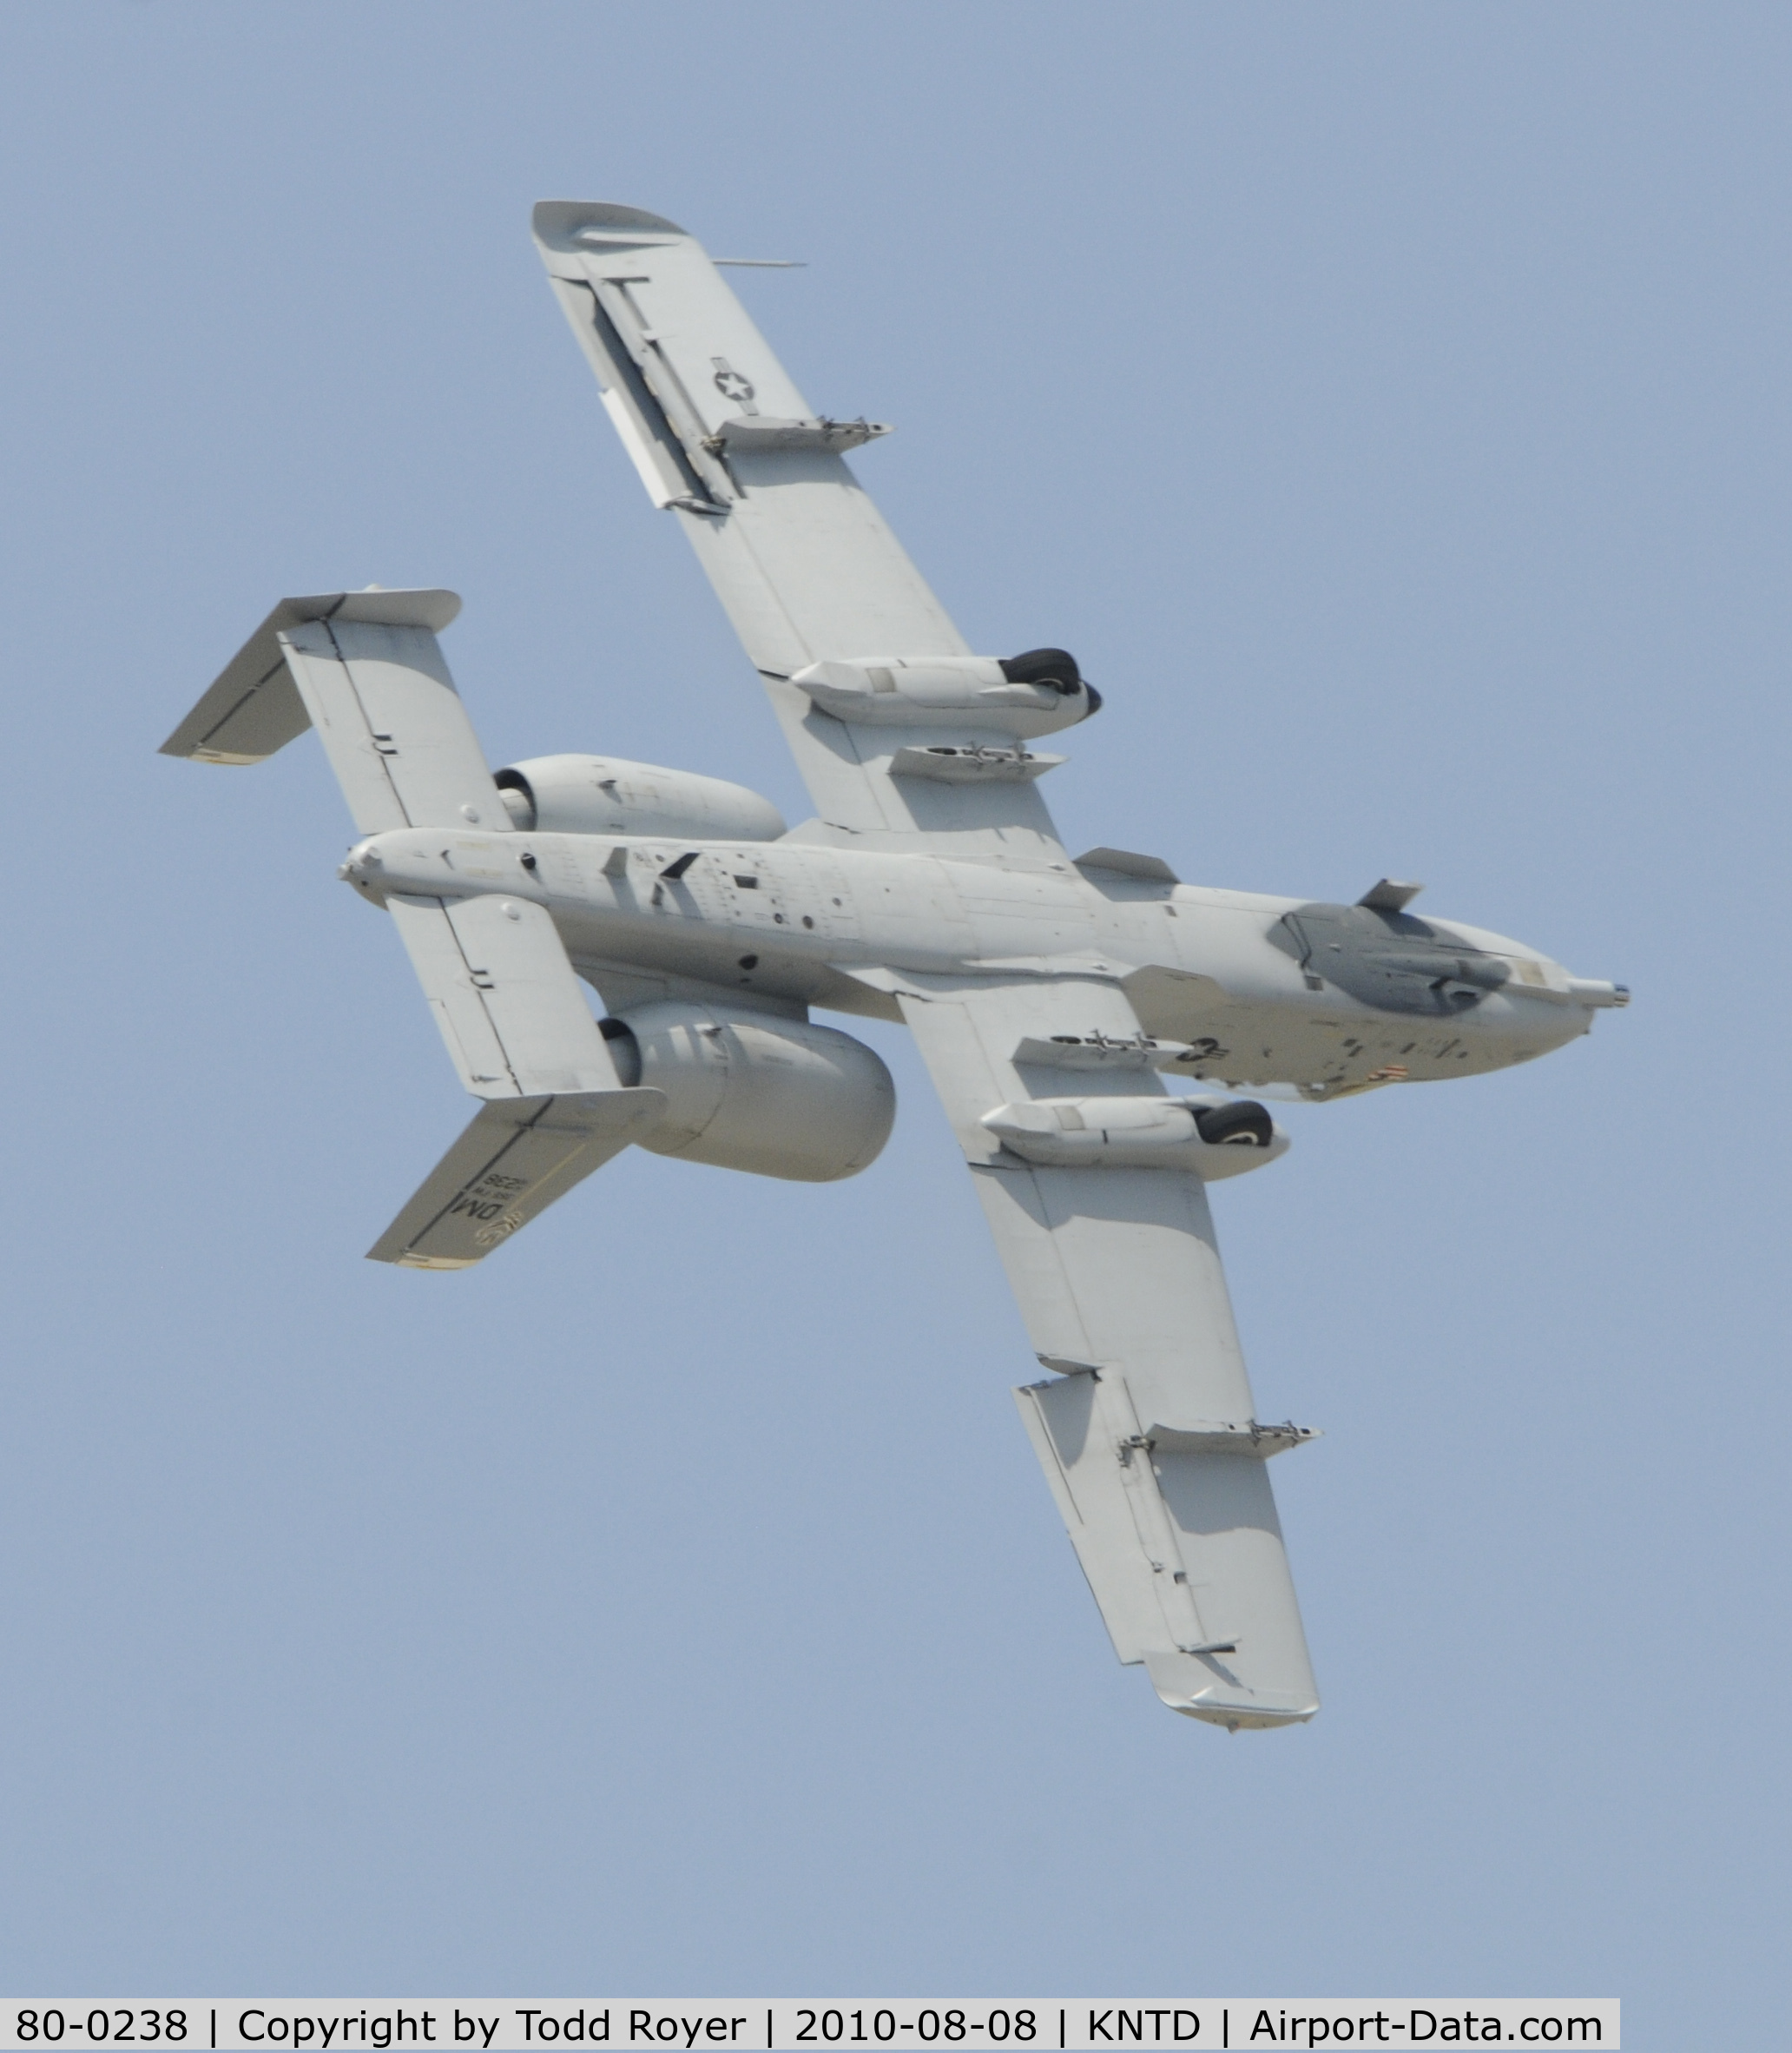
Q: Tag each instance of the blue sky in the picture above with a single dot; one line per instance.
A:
(1389, 406)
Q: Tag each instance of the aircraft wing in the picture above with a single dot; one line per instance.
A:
(1146, 1429)
(799, 555)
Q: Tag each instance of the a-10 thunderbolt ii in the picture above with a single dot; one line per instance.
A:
(1049, 997)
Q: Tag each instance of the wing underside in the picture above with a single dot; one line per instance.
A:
(804, 564)
(1146, 1428)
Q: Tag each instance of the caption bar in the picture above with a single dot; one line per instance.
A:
(1194, 2023)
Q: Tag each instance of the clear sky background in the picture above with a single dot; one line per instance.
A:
(1389, 406)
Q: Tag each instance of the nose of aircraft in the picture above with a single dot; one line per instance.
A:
(1596, 991)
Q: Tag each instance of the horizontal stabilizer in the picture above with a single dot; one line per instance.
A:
(1179, 1539)
(516, 1157)
(506, 998)
(253, 707)
(393, 725)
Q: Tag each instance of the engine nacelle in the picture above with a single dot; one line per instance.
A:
(1214, 1138)
(749, 1090)
(605, 795)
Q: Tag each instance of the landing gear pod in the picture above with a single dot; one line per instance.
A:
(1214, 1140)
(750, 1090)
(1020, 696)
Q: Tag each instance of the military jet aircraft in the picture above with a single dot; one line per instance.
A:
(1049, 997)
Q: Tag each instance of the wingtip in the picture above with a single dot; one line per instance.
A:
(1199, 1688)
(558, 224)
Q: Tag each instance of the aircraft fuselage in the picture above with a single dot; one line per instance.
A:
(1262, 989)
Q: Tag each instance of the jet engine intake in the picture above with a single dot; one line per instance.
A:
(1214, 1139)
(605, 795)
(749, 1090)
